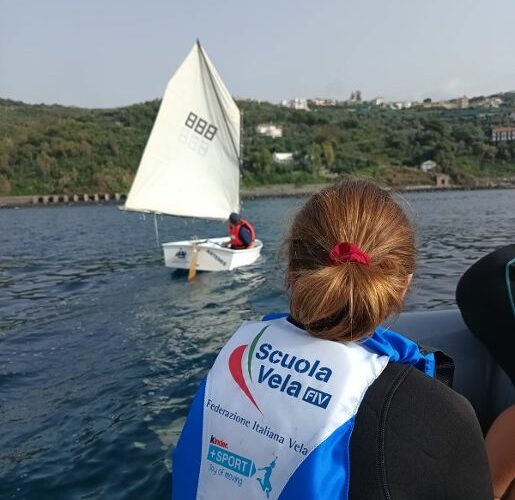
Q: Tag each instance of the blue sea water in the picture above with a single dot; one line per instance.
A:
(102, 347)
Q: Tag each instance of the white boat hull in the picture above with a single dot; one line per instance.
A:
(211, 256)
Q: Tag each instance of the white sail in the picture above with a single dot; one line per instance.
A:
(190, 166)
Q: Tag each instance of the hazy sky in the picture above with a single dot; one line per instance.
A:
(101, 53)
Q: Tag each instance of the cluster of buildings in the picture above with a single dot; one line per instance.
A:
(460, 103)
(498, 133)
(488, 102)
(464, 103)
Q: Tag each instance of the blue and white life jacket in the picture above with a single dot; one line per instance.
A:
(275, 415)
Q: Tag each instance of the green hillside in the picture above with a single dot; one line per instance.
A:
(57, 149)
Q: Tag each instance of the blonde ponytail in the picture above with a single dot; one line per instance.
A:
(346, 300)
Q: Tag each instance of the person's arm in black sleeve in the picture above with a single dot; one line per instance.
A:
(415, 438)
(245, 235)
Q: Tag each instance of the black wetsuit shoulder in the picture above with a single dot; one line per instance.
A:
(416, 439)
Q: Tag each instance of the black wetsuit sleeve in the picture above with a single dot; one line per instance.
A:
(415, 438)
(245, 235)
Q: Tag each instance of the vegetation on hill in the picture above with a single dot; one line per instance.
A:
(57, 149)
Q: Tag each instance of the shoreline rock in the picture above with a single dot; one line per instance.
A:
(270, 191)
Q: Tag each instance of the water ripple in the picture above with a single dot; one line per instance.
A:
(102, 348)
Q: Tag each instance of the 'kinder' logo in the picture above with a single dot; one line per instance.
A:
(218, 442)
(236, 368)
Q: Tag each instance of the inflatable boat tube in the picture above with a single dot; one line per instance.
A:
(477, 376)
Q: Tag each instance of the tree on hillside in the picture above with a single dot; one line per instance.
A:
(5, 186)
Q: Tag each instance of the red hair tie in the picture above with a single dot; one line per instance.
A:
(347, 252)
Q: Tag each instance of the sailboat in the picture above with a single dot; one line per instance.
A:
(191, 164)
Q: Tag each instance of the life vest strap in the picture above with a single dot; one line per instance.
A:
(444, 365)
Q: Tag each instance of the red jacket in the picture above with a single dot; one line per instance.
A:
(234, 232)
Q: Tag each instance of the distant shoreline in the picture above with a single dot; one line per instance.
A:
(291, 190)
(270, 191)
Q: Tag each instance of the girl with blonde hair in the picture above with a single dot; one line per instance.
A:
(324, 399)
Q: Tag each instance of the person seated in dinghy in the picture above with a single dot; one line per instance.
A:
(486, 297)
(324, 403)
(241, 232)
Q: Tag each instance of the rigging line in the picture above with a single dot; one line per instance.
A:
(226, 119)
(156, 229)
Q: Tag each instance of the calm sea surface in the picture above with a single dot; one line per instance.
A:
(102, 347)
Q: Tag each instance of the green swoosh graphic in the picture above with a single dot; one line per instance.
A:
(252, 348)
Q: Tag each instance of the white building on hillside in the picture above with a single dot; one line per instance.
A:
(269, 129)
(503, 134)
(282, 157)
(322, 102)
(296, 103)
(400, 105)
(427, 165)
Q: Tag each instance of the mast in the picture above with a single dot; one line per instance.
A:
(241, 146)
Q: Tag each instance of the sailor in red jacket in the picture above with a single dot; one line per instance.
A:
(241, 232)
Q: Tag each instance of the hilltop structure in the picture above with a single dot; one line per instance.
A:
(297, 103)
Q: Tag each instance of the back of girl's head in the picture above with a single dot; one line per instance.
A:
(343, 299)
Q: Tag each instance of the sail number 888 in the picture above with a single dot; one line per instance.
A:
(201, 126)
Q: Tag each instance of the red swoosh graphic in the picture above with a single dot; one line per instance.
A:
(237, 372)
